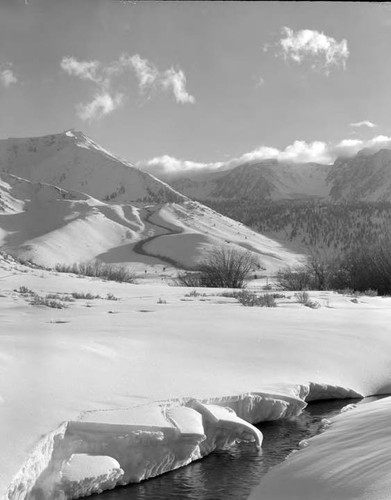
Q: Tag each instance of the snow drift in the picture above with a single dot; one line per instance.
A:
(349, 461)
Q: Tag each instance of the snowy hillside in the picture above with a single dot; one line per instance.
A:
(64, 199)
(74, 162)
(49, 225)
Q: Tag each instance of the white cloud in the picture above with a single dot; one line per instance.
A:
(350, 147)
(322, 51)
(106, 100)
(364, 123)
(170, 166)
(176, 81)
(101, 105)
(86, 70)
(7, 76)
(298, 152)
(151, 79)
(146, 73)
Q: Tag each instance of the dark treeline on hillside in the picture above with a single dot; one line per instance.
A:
(336, 227)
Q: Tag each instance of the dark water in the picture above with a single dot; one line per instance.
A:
(232, 474)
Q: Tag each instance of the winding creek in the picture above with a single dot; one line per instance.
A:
(139, 246)
(232, 474)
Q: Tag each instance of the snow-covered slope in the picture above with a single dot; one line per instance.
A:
(64, 199)
(74, 162)
(49, 225)
(349, 461)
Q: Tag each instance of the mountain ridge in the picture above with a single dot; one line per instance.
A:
(365, 177)
(70, 160)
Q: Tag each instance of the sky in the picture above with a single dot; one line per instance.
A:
(190, 85)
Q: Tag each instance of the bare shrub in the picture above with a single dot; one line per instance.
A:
(86, 296)
(368, 268)
(312, 304)
(98, 270)
(298, 278)
(194, 293)
(189, 279)
(345, 291)
(250, 299)
(38, 300)
(57, 296)
(363, 269)
(221, 268)
(66, 298)
(25, 291)
(302, 297)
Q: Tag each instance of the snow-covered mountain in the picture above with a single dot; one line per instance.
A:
(73, 161)
(64, 199)
(365, 177)
(269, 179)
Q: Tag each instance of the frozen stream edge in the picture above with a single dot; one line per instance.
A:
(162, 437)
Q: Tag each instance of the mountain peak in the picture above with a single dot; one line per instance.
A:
(73, 161)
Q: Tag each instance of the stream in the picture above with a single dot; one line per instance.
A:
(232, 474)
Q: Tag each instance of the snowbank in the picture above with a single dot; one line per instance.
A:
(83, 475)
(117, 447)
(349, 461)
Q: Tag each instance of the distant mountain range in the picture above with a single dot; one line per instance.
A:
(65, 199)
(365, 177)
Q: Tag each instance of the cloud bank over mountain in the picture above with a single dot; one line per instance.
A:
(297, 152)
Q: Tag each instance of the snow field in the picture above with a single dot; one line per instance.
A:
(99, 360)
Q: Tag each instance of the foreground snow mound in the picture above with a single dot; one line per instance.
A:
(84, 475)
(116, 447)
(350, 461)
(106, 448)
(223, 428)
(263, 406)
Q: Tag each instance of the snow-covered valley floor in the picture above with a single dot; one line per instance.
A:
(103, 392)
